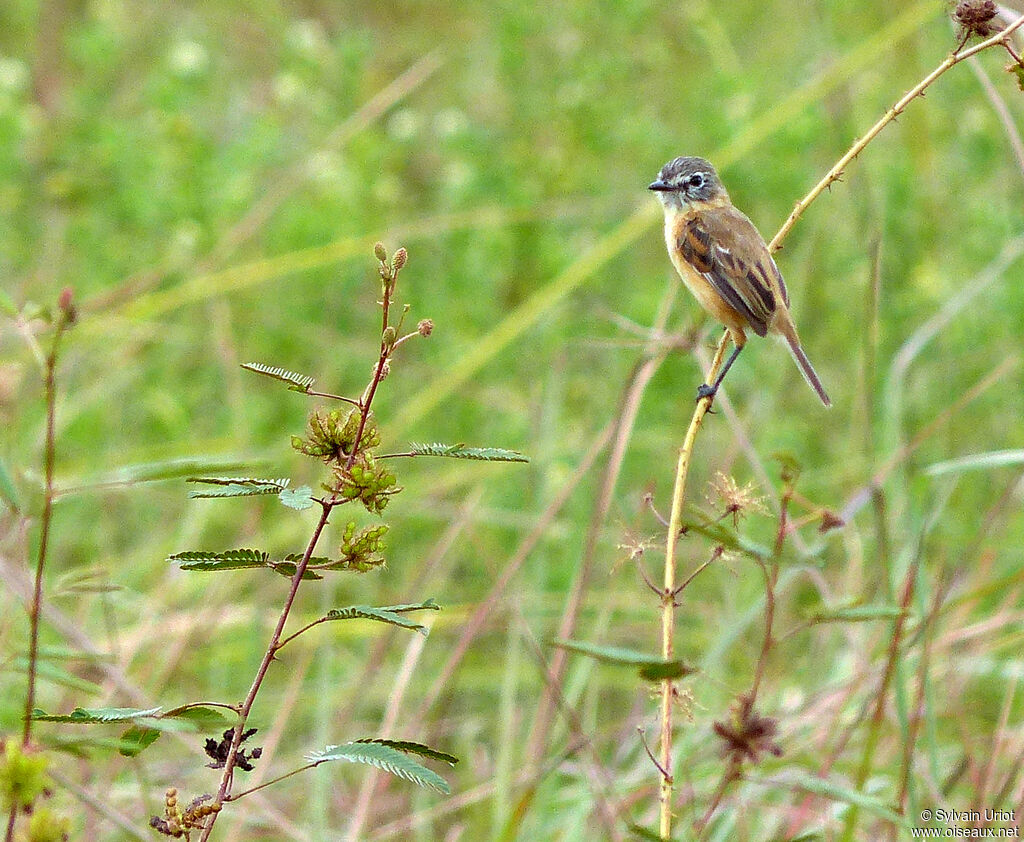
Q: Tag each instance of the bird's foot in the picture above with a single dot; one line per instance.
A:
(706, 391)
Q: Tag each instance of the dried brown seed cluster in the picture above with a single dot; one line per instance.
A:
(976, 17)
(747, 735)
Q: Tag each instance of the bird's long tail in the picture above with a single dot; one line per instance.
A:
(806, 369)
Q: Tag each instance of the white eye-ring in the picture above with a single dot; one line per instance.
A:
(696, 180)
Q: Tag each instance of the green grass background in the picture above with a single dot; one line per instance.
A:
(508, 147)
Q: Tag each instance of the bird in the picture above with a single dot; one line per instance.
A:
(724, 262)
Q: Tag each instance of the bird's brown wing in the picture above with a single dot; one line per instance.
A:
(725, 247)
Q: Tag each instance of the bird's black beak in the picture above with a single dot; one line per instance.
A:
(659, 185)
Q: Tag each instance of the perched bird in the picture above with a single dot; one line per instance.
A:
(725, 263)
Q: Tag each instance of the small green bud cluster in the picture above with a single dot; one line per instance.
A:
(23, 782)
(367, 480)
(361, 550)
(332, 435)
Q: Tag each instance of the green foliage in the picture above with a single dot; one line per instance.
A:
(381, 615)
(361, 551)
(97, 716)
(366, 480)
(46, 826)
(856, 614)
(978, 462)
(652, 667)
(459, 451)
(296, 382)
(23, 777)
(414, 748)
(300, 498)
(383, 757)
(223, 201)
(211, 562)
(137, 739)
(224, 560)
(332, 435)
(238, 486)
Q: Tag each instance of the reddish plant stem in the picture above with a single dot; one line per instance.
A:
(276, 643)
(378, 371)
(35, 609)
(261, 673)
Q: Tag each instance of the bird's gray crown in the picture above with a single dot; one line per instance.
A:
(693, 179)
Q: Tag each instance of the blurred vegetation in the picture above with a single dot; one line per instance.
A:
(210, 178)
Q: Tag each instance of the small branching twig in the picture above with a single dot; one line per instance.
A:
(668, 601)
(999, 39)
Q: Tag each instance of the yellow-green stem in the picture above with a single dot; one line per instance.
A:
(668, 604)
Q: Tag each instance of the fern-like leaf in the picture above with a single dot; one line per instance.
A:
(238, 486)
(296, 382)
(382, 757)
(226, 560)
(427, 605)
(414, 748)
(96, 716)
(381, 615)
(460, 451)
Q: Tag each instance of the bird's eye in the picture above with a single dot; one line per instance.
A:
(696, 180)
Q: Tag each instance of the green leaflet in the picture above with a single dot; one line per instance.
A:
(381, 615)
(94, 716)
(459, 451)
(382, 757)
(238, 486)
(296, 382)
(650, 667)
(414, 748)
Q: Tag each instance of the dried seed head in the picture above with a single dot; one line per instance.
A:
(737, 500)
(976, 18)
(425, 327)
(399, 259)
(380, 253)
(747, 735)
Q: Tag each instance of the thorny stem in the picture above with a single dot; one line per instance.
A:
(668, 594)
(731, 773)
(770, 569)
(836, 172)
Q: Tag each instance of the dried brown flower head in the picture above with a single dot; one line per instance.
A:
(747, 735)
(976, 17)
(738, 501)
